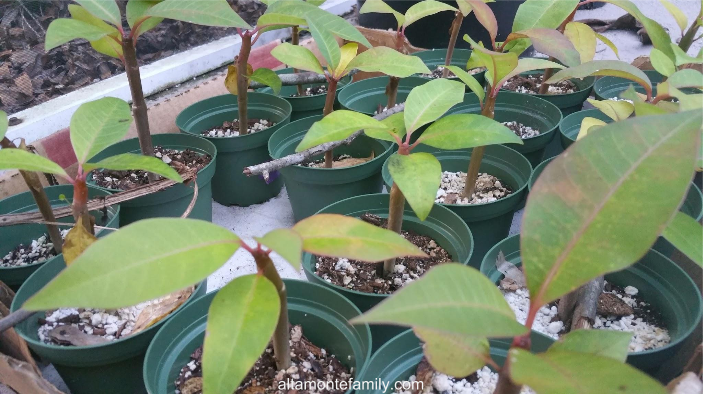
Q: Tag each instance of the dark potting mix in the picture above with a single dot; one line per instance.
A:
(488, 189)
(531, 84)
(36, 251)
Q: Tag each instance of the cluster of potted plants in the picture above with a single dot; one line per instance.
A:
(127, 312)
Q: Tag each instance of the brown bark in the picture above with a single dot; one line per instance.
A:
(295, 38)
(395, 221)
(587, 304)
(243, 83)
(329, 107)
(392, 91)
(477, 153)
(139, 109)
(281, 336)
(505, 384)
(456, 25)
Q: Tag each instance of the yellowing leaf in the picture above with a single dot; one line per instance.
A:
(424, 8)
(231, 78)
(454, 355)
(77, 240)
(348, 51)
(583, 38)
(678, 15)
(586, 124)
(609, 43)
(381, 7)
(158, 310)
(286, 243)
(297, 57)
(616, 110)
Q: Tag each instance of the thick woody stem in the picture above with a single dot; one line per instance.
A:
(505, 384)
(295, 38)
(281, 336)
(139, 112)
(587, 304)
(477, 153)
(395, 221)
(243, 83)
(37, 190)
(80, 203)
(456, 25)
(329, 107)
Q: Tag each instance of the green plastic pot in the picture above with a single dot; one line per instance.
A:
(609, 87)
(571, 125)
(366, 95)
(229, 185)
(323, 313)
(311, 189)
(173, 201)
(114, 367)
(489, 222)
(660, 281)
(526, 109)
(305, 106)
(436, 57)
(397, 360)
(12, 236)
(442, 225)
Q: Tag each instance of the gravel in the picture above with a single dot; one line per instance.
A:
(488, 189)
(483, 381)
(39, 250)
(521, 130)
(228, 130)
(519, 301)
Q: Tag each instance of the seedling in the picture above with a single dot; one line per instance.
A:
(247, 312)
(416, 176)
(341, 60)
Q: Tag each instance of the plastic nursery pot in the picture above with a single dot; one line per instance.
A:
(526, 109)
(436, 57)
(366, 95)
(12, 236)
(311, 189)
(114, 367)
(660, 281)
(489, 222)
(611, 87)
(323, 314)
(229, 185)
(173, 201)
(305, 106)
(571, 125)
(442, 225)
(397, 360)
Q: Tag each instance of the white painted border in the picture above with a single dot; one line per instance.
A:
(47, 118)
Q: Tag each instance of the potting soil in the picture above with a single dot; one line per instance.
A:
(312, 91)
(39, 250)
(231, 129)
(521, 130)
(488, 189)
(531, 84)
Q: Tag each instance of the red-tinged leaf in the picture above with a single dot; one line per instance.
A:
(485, 16)
(605, 67)
(550, 42)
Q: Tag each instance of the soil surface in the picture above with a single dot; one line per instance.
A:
(521, 130)
(488, 189)
(437, 72)
(39, 250)
(308, 363)
(530, 84)
(381, 108)
(338, 161)
(364, 277)
(231, 129)
(29, 75)
(129, 179)
(312, 91)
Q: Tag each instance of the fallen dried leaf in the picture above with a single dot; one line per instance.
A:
(70, 335)
(158, 310)
(77, 240)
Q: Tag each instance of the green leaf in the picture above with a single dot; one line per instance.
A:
(678, 15)
(280, 19)
(240, 322)
(659, 36)
(452, 299)
(326, 43)
(461, 131)
(484, 15)
(681, 58)
(686, 235)
(267, 77)
(14, 158)
(136, 10)
(583, 38)
(217, 13)
(602, 191)
(661, 62)
(616, 110)
(107, 46)
(454, 355)
(469, 80)
(550, 42)
(106, 10)
(381, 7)
(135, 162)
(81, 14)
(686, 78)
(346, 237)
(144, 260)
(424, 8)
(643, 109)
(338, 125)
(331, 23)
(418, 176)
(63, 30)
(388, 61)
(498, 64)
(286, 243)
(431, 100)
(542, 13)
(97, 125)
(529, 64)
(609, 43)
(575, 373)
(297, 57)
(609, 344)
(395, 124)
(3, 124)
(587, 124)
(613, 68)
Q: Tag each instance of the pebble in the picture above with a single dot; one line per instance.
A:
(442, 384)
(525, 132)
(519, 302)
(630, 290)
(257, 127)
(488, 189)
(619, 99)
(38, 250)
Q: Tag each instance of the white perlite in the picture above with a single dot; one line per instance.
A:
(230, 132)
(385, 108)
(39, 250)
(524, 131)
(443, 384)
(619, 99)
(519, 301)
(488, 189)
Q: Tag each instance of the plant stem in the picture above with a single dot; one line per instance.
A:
(281, 336)
(295, 38)
(393, 82)
(329, 107)
(477, 153)
(80, 203)
(544, 88)
(14, 318)
(139, 112)
(688, 38)
(456, 25)
(37, 190)
(395, 221)
(243, 83)
(505, 384)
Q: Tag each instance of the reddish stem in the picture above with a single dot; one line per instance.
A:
(329, 107)
(243, 82)
(456, 25)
